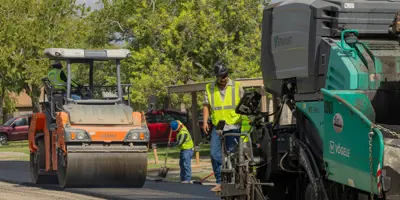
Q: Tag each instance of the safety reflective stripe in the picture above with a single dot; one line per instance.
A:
(181, 137)
(222, 107)
(212, 96)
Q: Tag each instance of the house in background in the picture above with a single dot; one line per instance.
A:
(23, 104)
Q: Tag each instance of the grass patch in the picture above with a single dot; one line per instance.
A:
(161, 164)
(16, 146)
(173, 156)
(173, 152)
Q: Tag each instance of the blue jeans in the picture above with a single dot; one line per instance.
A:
(74, 96)
(216, 153)
(185, 162)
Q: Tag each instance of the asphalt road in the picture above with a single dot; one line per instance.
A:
(18, 172)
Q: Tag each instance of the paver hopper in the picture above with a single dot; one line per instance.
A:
(95, 141)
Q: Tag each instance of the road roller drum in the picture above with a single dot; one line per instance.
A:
(87, 167)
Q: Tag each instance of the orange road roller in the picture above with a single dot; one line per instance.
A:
(81, 138)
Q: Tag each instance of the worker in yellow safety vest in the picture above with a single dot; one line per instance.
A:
(221, 99)
(58, 79)
(185, 143)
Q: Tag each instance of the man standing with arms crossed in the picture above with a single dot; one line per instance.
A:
(221, 99)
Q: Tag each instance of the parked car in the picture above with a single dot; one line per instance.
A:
(15, 129)
(158, 123)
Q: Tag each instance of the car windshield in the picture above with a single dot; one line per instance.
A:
(9, 122)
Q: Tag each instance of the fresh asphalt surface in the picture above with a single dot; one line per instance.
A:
(18, 172)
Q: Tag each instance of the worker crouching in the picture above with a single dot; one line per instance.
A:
(185, 143)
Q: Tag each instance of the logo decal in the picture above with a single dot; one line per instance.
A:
(338, 123)
(107, 135)
(338, 149)
(282, 41)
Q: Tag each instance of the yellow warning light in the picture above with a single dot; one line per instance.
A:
(72, 135)
(142, 136)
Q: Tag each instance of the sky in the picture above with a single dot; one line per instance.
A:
(92, 3)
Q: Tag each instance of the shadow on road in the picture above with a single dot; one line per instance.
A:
(17, 172)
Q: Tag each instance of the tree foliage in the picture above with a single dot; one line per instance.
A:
(174, 42)
(27, 28)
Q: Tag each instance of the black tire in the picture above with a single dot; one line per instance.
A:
(38, 163)
(3, 139)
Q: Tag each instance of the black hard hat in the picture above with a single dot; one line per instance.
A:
(56, 64)
(220, 69)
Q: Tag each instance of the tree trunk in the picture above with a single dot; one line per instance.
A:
(2, 97)
(35, 98)
(34, 93)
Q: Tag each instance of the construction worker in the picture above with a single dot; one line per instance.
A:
(58, 79)
(221, 98)
(185, 143)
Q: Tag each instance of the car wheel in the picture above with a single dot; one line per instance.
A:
(3, 139)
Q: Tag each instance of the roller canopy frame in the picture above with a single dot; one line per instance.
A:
(85, 55)
(72, 56)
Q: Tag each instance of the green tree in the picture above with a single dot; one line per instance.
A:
(173, 42)
(27, 28)
(11, 56)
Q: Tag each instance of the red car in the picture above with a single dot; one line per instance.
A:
(14, 129)
(158, 123)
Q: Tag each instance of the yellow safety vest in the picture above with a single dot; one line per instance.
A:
(55, 79)
(245, 127)
(188, 144)
(224, 110)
